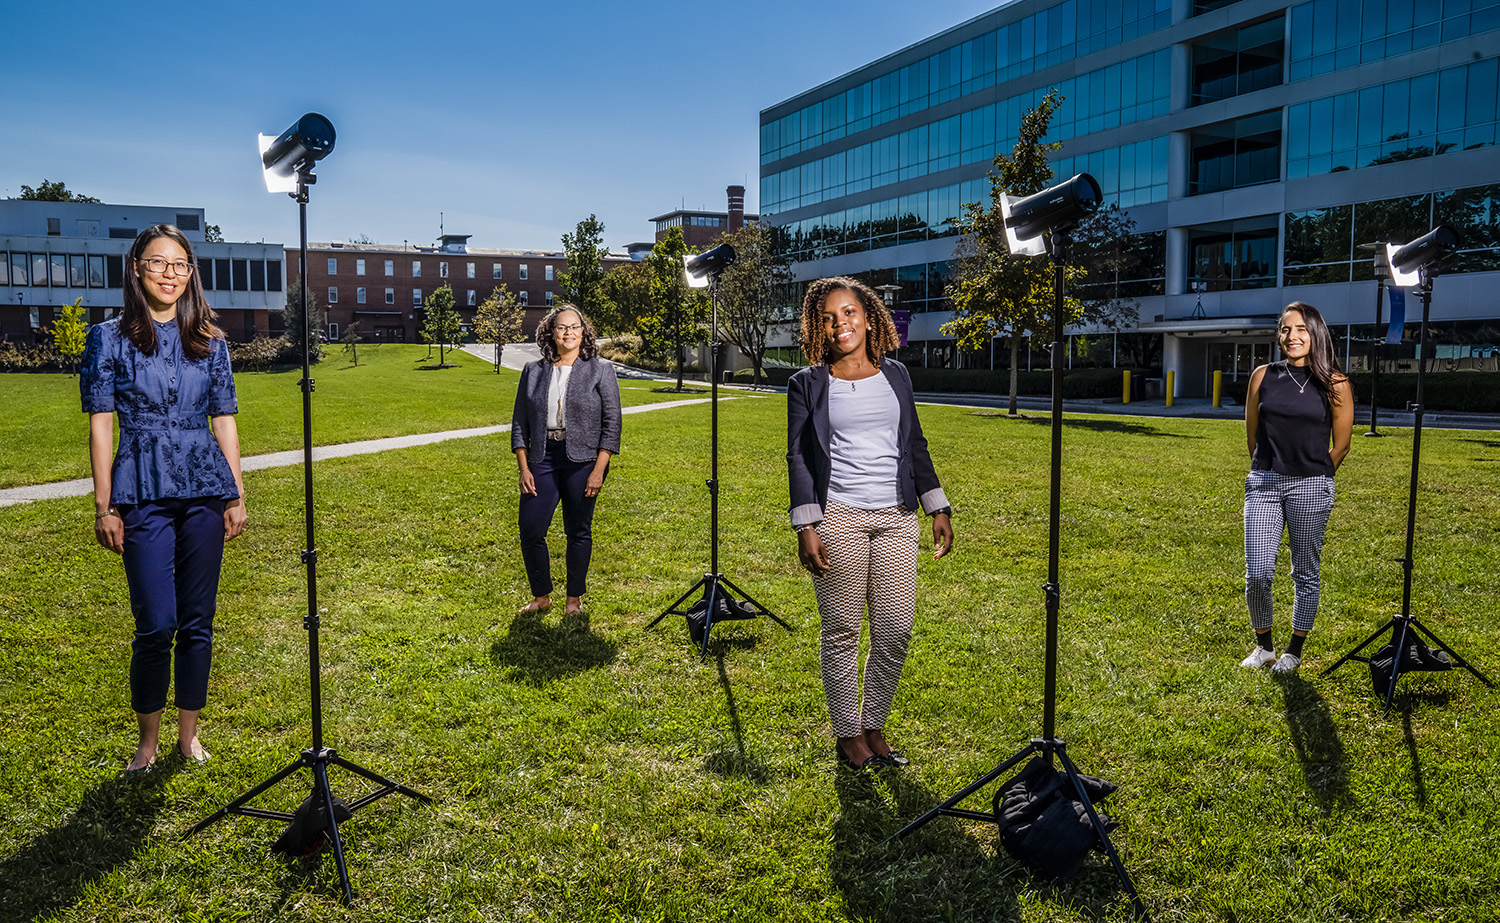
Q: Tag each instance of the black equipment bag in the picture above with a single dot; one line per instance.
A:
(1042, 822)
(729, 609)
(308, 830)
(1419, 657)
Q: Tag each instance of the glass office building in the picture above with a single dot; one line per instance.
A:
(1257, 146)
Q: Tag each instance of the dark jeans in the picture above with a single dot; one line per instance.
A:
(557, 478)
(173, 550)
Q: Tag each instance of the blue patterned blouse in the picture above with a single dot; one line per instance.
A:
(164, 402)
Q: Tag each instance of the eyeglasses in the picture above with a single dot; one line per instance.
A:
(568, 328)
(158, 266)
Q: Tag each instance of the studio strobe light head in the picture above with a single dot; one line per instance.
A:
(294, 151)
(1055, 208)
(702, 266)
(1429, 249)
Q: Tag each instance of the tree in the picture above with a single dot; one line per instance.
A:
(291, 319)
(626, 292)
(53, 192)
(443, 324)
(676, 313)
(749, 290)
(351, 340)
(498, 319)
(212, 234)
(70, 333)
(995, 293)
(583, 283)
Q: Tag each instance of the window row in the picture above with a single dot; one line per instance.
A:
(1453, 109)
(361, 296)
(1327, 35)
(1111, 96)
(1051, 36)
(239, 275)
(470, 269)
(62, 270)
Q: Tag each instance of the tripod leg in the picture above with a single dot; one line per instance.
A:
(1396, 664)
(373, 776)
(245, 798)
(968, 790)
(320, 773)
(1388, 626)
(1104, 843)
(672, 609)
(1451, 652)
(708, 614)
(756, 603)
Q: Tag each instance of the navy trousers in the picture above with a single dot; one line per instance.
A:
(557, 479)
(173, 550)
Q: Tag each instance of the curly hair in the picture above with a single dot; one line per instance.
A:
(881, 338)
(1323, 360)
(195, 318)
(588, 349)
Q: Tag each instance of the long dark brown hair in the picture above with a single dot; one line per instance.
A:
(588, 349)
(195, 318)
(1321, 357)
(881, 338)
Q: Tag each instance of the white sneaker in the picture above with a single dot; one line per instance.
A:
(1260, 657)
(1287, 664)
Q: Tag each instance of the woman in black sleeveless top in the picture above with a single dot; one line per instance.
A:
(1298, 416)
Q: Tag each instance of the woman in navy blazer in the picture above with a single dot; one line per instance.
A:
(858, 469)
(565, 428)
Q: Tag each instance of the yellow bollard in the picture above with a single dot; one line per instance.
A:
(1218, 388)
(1171, 388)
(1126, 398)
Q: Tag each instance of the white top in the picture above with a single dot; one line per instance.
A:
(863, 417)
(555, 395)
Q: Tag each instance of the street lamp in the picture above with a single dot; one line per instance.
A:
(890, 293)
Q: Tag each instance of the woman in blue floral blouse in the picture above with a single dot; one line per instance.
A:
(172, 495)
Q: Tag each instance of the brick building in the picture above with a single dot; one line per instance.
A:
(702, 229)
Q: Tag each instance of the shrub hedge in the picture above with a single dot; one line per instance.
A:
(1454, 392)
(15, 357)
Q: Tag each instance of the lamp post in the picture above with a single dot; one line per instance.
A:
(890, 293)
(1382, 270)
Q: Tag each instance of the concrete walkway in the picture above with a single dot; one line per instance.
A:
(84, 486)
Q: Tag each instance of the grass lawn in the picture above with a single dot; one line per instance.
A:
(394, 391)
(589, 769)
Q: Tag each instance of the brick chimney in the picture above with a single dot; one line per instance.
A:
(736, 207)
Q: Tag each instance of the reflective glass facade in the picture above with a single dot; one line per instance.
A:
(1327, 35)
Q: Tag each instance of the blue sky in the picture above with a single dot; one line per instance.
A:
(514, 120)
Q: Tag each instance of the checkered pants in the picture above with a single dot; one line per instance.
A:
(1301, 505)
(872, 556)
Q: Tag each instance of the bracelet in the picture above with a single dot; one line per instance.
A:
(112, 511)
(947, 510)
(801, 529)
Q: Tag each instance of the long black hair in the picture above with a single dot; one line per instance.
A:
(1321, 357)
(195, 318)
(588, 349)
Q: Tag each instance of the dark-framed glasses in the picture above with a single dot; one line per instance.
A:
(568, 328)
(158, 266)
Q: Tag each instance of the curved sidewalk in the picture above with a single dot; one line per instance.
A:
(82, 486)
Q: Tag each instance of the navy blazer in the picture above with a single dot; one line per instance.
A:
(591, 410)
(807, 440)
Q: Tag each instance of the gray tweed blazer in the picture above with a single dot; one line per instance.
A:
(591, 410)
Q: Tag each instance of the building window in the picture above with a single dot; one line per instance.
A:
(257, 275)
(547, 271)
(241, 272)
(550, 296)
(96, 271)
(333, 331)
(472, 302)
(186, 222)
(54, 227)
(416, 297)
(59, 264)
(416, 269)
(443, 269)
(524, 274)
(1232, 256)
(273, 275)
(390, 267)
(221, 275)
(333, 266)
(390, 296)
(122, 233)
(359, 296)
(525, 298)
(495, 268)
(470, 270)
(359, 267)
(333, 294)
(1237, 63)
(1246, 152)
(78, 273)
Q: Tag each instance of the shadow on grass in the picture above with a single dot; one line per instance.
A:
(1316, 740)
(682, 390)
(538, 653)
(434, 368)
(1098, 426)
(734, 762)
(107, 830)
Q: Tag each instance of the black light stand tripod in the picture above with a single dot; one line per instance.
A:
(719, 600)
(1407, 627)
(317, 757)
(1049, 744)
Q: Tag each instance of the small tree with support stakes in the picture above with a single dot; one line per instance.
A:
(498, 320)
(443, 324)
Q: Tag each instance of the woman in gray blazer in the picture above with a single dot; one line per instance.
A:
(859, 470)
(565, 427)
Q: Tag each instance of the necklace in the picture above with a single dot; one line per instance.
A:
(853, 385)
(1301, 386)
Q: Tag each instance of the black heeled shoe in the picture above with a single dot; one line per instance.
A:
(874, 761)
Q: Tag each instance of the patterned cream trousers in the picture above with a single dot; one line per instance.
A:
(872, 556)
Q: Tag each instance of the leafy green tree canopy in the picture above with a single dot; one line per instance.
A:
(50, 191)
(583, 282)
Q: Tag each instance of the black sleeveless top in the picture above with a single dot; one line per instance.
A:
(1295, 424)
